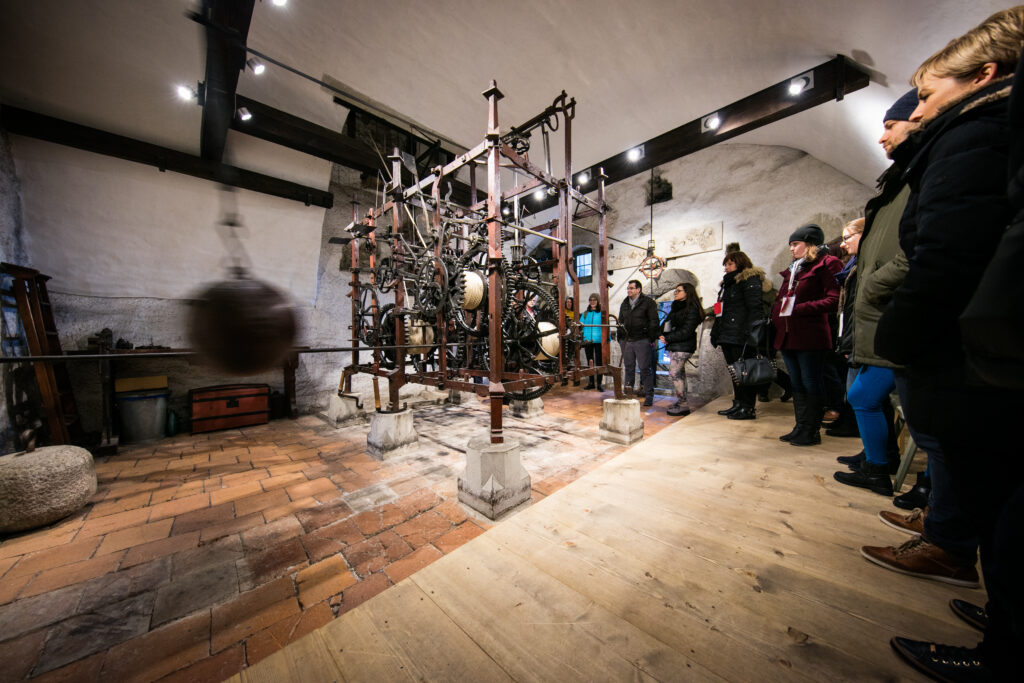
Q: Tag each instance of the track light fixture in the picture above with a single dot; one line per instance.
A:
(538, 194)
(280, 3)
(635, 154)
(710, 123)
(244, 114)
(257, 66)
(583, 178)
(799, 84)
(186, 92)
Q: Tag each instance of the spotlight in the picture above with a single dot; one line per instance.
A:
(280, 3)
(583, 178)
(186, 93)
(244, 114)
(538, 194)
(635, 154)
(505, 211)
(801, 83)
(256, 66)
(710, 122)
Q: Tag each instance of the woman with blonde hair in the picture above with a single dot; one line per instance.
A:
(956, 215)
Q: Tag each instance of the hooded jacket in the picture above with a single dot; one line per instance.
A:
(817, 295)
(955, 216)
(740, 294)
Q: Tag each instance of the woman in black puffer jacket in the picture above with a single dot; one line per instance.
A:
(679, 335)
(739, 311)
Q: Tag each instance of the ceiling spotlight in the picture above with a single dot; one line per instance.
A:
(635, 154)
(256, 66)
(801, 83)
(280, 3)
(505, 211)
(583, 178)
(710, 123)
(244, 114)
(538, 194)
(186, 93)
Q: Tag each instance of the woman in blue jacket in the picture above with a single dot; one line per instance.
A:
(591, 321)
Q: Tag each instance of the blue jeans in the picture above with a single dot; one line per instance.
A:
(870, 389)
(947, 524)
(806, 370)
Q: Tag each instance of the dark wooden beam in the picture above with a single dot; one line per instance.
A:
(227, 27)
(832, 81)
(31, 124)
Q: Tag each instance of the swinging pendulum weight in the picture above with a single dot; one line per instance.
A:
(241, 325)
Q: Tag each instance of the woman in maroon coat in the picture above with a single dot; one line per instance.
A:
(808, 294)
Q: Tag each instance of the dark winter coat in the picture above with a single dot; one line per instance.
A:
(847, 279)
(639, 322)
(881, 264)
(955, 217)
(992, 323)
(740, 295)
(680, 327)
(817, 295)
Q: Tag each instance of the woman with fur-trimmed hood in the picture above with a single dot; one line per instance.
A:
(738, 311)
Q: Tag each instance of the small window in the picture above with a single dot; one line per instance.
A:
(585, 266)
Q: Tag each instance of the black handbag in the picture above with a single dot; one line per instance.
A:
(747, 372)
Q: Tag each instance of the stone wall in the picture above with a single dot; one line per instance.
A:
(757, 194)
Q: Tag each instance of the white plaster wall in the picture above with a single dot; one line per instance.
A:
(105, 227)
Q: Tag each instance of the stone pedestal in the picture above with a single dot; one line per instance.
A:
(526, 409)
(621, 422)
(344, 409)
(494, 480)
(43, 486)
(391, 435)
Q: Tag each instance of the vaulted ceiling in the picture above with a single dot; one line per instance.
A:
(637, 69)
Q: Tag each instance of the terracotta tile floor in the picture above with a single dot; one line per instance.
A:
(201, 555)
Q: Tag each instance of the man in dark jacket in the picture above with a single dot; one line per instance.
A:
(638, 328)
(956, 215)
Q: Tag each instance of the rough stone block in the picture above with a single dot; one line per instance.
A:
(40, 487)
(391, 435)
(622, 422)
(494, 480)
(344, 409)
(527, 409)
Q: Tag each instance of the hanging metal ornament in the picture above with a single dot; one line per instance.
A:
(652, 266)
(242, 325)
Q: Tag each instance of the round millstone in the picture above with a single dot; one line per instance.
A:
(42, 486)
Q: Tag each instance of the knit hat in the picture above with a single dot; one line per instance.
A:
(903, 107)
(810, 233)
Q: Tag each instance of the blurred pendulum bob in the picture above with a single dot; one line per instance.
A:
(241, 325)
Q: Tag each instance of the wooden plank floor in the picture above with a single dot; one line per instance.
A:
(710, 551)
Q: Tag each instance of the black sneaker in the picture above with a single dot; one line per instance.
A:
(942, 662)
(972, 614)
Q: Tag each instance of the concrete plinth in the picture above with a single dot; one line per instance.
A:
(344, 409)
(391, 435)
(531, 408)
(621, 422)
(494, 480)
(43, 486)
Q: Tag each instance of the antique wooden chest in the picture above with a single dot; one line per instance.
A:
(228, 406)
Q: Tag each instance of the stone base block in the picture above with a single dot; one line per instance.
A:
(622, 422)
(526, 409)
(43, 486)
(494, 480)
(391, 435)
(344, 409)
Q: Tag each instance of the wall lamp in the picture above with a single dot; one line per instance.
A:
(710, 123)
(635, 154)
(801, 83)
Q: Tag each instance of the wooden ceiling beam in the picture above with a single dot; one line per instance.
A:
(226, 24)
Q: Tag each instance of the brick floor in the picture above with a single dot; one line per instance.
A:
(201, 555)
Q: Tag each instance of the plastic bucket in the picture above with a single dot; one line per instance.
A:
(143, 414)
